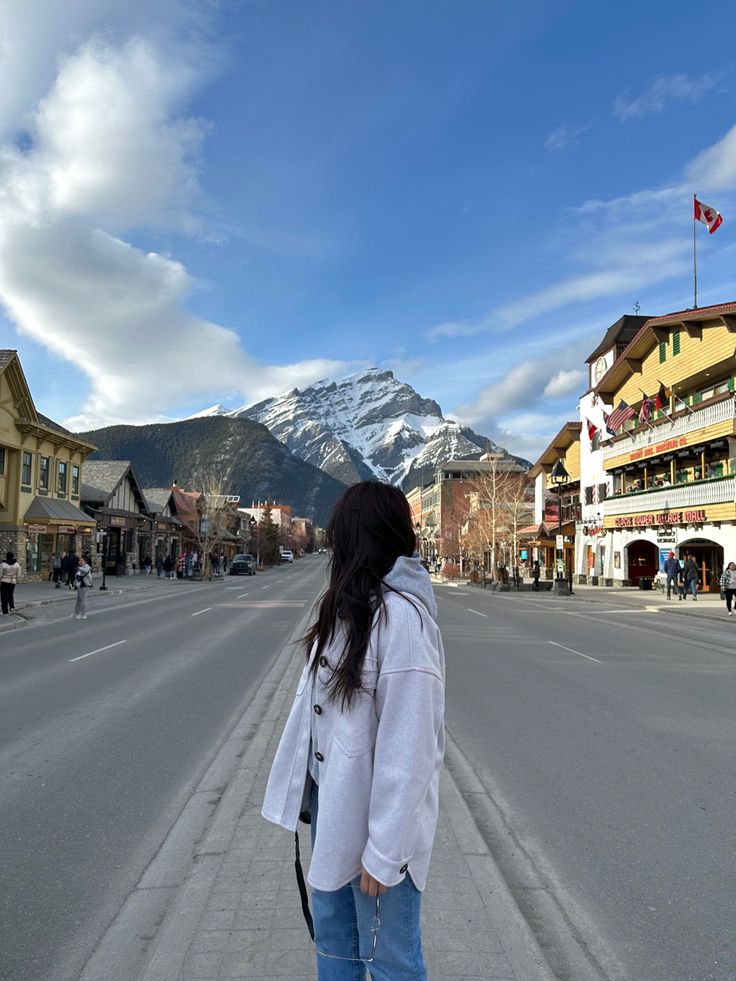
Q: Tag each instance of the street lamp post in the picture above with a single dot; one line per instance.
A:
(559, 477)
(104, 558)
(254, 535)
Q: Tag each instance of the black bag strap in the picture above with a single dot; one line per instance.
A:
(303, 887)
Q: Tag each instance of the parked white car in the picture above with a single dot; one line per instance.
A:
(286, 555)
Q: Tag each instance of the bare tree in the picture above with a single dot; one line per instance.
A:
(500, 503)
(212, 512)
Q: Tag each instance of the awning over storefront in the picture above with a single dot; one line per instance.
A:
(49, 510)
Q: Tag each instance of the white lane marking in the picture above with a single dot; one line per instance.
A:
(477, 613)
(98, 651)
(241, 596)
(278, 581)
(264, 587)
(203, 611)
(575, 652)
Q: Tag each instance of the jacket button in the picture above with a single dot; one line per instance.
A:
(318, 709)
(319, 757)
(323, 661)
(404, 868)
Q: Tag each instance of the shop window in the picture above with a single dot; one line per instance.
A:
(61, 478)
(26, 471)
(588, 495)
(75, 480)
(675, 342)
(2, 461)
(662, 352)
(602, 492)
(43, 473)
(697, 398)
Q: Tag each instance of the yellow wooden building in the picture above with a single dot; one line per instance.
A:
(673, 471)
(556, 507)
(40, 479)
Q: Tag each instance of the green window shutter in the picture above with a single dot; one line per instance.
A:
(675, 342)
(662, 351)
(697, 397)
(730, 384)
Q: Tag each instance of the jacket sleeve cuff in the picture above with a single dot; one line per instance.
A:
(387, 871)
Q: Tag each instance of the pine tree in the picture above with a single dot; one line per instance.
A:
(268, 535)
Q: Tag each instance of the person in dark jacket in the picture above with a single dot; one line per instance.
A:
(70, 569)
(691, 576)
(168, 567)
(536, 574)
(672, 571)
(159, 566)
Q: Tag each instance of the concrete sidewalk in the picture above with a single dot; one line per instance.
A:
(236, 912)
(30, 596)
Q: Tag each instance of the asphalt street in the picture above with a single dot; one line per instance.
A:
(607, 738)
(106, 725)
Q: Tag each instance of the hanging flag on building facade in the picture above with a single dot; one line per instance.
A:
(662, 398)
(592, 430)
(621, 414)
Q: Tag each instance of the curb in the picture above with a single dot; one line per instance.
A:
(164, 908)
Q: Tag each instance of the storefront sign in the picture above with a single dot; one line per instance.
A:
(665, 537)
(668, 444)
(66, 529)
(663, 518)
(35, 529)
(117, 521)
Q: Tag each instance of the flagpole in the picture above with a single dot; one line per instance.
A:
(695, 260)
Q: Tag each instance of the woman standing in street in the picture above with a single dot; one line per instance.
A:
(361, 751)
(9, 572)
(82, 583)
(728, 585)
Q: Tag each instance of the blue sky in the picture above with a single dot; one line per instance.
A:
(216, 201)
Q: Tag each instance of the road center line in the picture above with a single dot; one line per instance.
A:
(575, 652)
(264, 587)
(242, 595)
(203, 611)
(98, 651)
(477, 613)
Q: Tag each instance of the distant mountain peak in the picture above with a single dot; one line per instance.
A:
(366, 424)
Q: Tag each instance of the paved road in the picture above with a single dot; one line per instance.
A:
(607, 736)
(98, 755)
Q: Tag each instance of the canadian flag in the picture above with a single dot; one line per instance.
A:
(709, 216)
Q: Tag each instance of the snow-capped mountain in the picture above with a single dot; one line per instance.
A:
(214, 410)
(366, 425)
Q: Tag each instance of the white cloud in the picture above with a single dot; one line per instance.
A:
(565, 136)
(110, 153)
(662, 90)
(564, 383)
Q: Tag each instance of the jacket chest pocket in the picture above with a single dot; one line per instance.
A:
(355, 728)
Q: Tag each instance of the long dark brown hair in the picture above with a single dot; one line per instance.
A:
(369, 529)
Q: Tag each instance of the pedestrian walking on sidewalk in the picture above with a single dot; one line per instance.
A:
(536, 572)
(159, 566)
(82, 584)
(728, 585)
(57, 564)
(691, 577)
(9, 572)
(361, 752)
(672, 571)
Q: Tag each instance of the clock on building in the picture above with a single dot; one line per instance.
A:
(599, 370)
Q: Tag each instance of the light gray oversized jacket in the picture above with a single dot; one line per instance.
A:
(379, 778)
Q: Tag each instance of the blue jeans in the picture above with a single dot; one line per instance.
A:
(691, 586)
(343, 920)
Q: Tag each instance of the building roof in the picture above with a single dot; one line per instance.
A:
(6, 356)
(101, 477)
(618, 335)
(52, 509)
(45, 421)
(657, 329)
(157, 497)
(569, 434)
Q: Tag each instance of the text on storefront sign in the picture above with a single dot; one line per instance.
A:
(665, 518)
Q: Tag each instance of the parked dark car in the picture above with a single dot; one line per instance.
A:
(243, 565)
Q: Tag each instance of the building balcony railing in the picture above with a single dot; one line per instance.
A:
(717, 490)
(689, 422)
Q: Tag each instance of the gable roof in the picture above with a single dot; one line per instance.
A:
(657, 329)
(618, 335)
(101, 478)
(158, 498)
(569, 434)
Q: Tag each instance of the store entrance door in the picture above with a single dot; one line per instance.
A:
(709, 557)
(643, 561)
